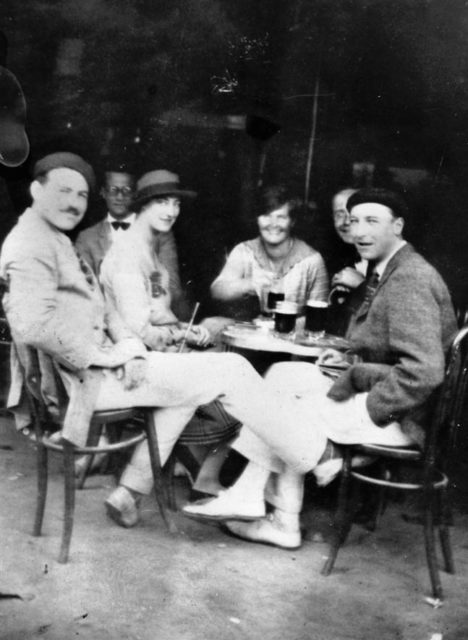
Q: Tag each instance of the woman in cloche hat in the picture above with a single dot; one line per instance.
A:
(137, 283)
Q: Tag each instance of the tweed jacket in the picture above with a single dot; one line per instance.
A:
(94, 242)
(402, 335)
(54, 304)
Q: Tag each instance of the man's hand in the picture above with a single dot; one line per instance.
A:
(133, 373)
(332, 358)
(348, 277)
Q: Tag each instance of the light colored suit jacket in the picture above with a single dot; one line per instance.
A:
(94, 242)
(54, 304)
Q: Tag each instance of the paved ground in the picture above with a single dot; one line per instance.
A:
(144, 584)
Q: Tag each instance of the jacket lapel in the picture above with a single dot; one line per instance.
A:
(389, 269)
(104, 237)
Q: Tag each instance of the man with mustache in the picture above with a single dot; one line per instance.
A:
(54, 305)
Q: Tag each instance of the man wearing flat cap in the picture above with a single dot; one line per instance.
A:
(54, 305)
(402, 325)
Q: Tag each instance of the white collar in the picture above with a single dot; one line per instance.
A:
(130, 218)
(382, 265)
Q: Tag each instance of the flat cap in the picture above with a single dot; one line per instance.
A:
(67, 160)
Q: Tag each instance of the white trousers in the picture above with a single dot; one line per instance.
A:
(346, 422)
(176, 384)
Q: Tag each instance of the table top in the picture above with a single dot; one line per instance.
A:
(249, 336)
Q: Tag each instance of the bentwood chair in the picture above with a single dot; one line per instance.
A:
(44, 427)
(429, 470)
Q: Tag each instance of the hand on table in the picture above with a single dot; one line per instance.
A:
(333, 358)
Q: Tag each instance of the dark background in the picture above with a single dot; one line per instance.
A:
(223, 92)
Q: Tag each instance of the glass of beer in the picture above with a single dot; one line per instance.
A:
(285, 317)
(316, 318)
(273, 298)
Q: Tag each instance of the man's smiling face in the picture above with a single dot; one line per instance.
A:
(375, 230)
(61, 198)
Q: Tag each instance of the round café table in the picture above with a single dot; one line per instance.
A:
(263, 347)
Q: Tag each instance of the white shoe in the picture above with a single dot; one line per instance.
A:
(122, 507)
(326, 472)
(98, 458)
(266, 531)
(226, 506)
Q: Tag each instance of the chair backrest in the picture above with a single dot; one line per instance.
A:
(44, 390)
(447, 419)
(461, 314)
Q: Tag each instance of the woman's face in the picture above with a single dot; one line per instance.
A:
(161, 213)
(275, 227)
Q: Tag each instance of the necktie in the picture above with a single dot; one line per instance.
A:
(372, 281)
(87, 271)
(120, 225)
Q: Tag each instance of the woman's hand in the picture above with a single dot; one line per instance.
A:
(262, 281)
(199, 336)
(348, 277)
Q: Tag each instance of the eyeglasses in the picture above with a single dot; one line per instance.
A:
(125, 192)
(341, 215)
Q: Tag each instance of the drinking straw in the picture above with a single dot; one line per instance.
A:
(189, 326)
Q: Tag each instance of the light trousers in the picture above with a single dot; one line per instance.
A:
(346, 422)
(176, 384)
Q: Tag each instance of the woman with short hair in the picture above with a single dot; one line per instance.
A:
(274, 260)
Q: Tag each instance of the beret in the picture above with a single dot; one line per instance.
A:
(67, 160)
(385, 197)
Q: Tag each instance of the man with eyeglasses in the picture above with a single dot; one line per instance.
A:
(93, 243)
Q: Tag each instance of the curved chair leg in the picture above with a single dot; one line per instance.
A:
(42, 477)
(168, 474)
(343, 516)
(158, 476)
(93, 439)
(446, 520)
(429, 539)
(69, 475)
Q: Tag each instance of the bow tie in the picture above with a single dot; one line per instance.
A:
(120, 225)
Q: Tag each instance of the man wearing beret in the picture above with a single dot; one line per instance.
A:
(54, 305)
(402, 325)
